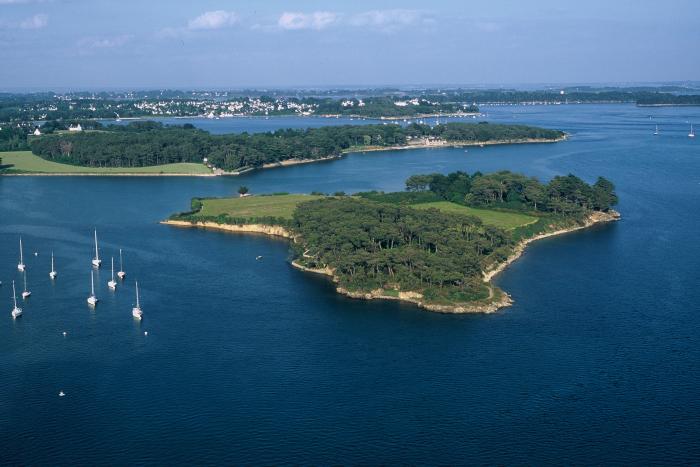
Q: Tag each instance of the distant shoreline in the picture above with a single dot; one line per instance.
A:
(83, 174)
(668, 105)
(497, 299)
(454, 144)
(290, 162)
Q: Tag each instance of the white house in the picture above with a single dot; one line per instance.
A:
(37, 132)
(75, 128)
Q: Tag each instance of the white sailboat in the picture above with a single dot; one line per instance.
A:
(26, 292)
(16, 311)
(692, 132)
(21, 265)
(112, 284)
(656, 131)
(96, 261)
(136, 311)
(92, 299)
(53, 272)
(121, 274)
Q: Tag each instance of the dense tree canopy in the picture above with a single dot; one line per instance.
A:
(372, 245)
(14, 137)
(149, 143)
(562, 195)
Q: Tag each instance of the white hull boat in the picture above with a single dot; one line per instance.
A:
(121, 274)
(96, 261)
(21, 266)
(92, 299)
(53, 272)
(112, 284)
(16, 311)
(136, 312)
(26, 292)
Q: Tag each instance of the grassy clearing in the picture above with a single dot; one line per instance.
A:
(505, 220)
(26, 162)
(255, 206)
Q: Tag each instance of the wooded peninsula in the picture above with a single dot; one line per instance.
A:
(438, 244)
(143, 144)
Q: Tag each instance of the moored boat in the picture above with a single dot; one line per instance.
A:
(136, 312)
(96, 261)
(16, 311)
(92, 299)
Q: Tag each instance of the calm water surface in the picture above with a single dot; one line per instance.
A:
(251, 361)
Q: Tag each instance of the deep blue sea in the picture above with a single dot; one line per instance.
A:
(252, 362)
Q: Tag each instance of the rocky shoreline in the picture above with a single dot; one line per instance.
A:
(497, 298)
(595, 217)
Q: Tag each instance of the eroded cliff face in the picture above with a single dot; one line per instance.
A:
(274, 230)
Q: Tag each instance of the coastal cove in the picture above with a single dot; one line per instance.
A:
(595, 362)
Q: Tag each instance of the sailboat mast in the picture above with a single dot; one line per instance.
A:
(52, 267)
(25, 280)
(92, 283)
(97, 253)
(112, 268)
(121, 265)
(14, 293)
(137, 295)
(21, 256)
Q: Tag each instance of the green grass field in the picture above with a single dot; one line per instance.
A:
(26, 162)
(255, 206)
(505, 220)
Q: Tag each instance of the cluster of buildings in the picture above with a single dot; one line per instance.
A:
(352, 102)
(414, 101)
(218, 109)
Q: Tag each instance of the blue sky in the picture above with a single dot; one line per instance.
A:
(78, 44)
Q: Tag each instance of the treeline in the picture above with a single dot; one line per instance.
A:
(13, 137)
(371, 245)
(149, 143)
(566, 195)
(375, 107)
(669, 99)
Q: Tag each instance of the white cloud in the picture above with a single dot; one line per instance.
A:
(387, 20)
(213, 20)
(317, 20)
(104, 42)
(37, 21)
(384, 20)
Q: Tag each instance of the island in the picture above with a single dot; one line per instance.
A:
(438, 244)
(151, 148)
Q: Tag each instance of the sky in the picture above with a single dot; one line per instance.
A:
(230, 44)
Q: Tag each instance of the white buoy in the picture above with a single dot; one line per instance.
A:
(65, 333)
(61, 394)
(145, 333)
